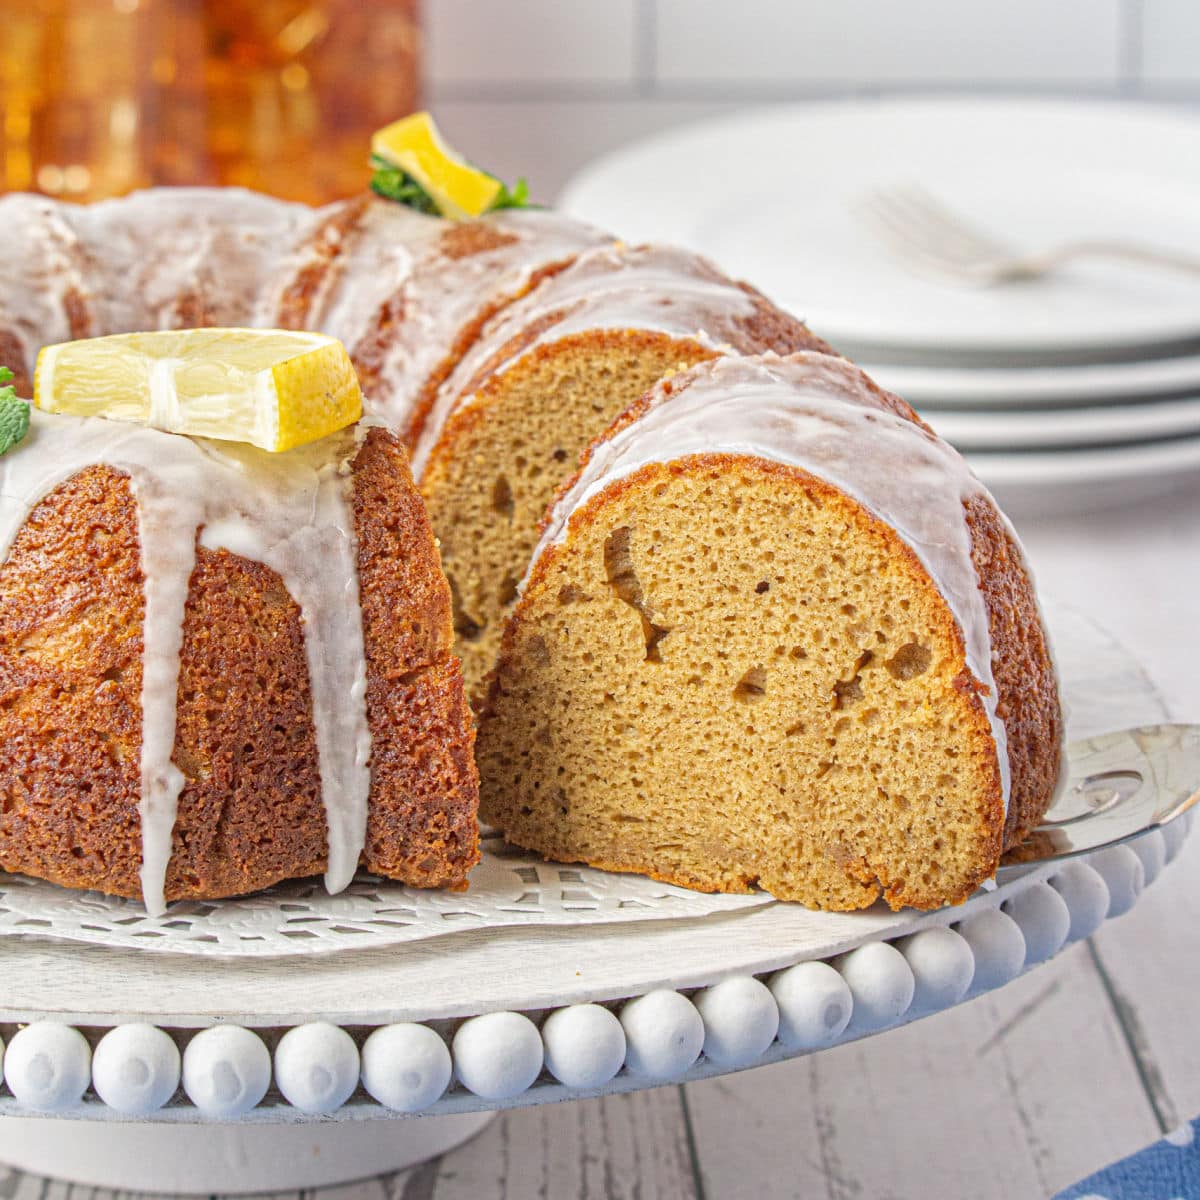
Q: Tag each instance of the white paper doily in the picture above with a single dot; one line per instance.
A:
(509, 887)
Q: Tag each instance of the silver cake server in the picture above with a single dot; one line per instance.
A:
(1120, 785)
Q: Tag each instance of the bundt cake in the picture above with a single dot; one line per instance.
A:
(189, 708)
(544, 377)
(774, 633)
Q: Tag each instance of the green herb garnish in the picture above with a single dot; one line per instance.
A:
(394, 184)
(14, 414)
(515, 197)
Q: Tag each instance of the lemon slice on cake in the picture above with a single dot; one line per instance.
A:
(272, 388)
(414, 146)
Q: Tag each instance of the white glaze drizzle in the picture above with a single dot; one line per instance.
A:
(38, 267)
(291, 512)
(133, 258)
(659, 289)
(441, 294)
(131, 261)
(148, 251)
(815, 412)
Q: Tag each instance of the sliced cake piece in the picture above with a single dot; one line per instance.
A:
(775, 633)
(545, 377)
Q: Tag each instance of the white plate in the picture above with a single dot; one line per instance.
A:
(769, 194)
(1036, 482)
(1069, 427)
(1024, 387)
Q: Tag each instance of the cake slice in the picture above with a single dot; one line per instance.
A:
(775, 633)
(542, 379)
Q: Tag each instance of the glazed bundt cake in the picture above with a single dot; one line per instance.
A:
(775, 633)
(544, 377)
(192, 704)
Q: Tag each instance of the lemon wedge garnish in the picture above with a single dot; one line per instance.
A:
(273, 388)
(413, 145)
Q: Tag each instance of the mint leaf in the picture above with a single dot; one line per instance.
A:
(394, 184)
(515, 197)
(14, 414)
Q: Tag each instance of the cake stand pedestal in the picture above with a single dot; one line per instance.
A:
(180, 1073)
(227, 1158)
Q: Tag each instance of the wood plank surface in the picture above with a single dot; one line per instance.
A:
(1016, 1093)
(631, 1147)
(626, 1147)
(1150, 960)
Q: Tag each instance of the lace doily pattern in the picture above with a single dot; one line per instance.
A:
(509, 887)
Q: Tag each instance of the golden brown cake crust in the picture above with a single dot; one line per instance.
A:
(71, 607)
(465, 239)
(769, 328)
(1022, 669)
(70, 682)
(422, 825)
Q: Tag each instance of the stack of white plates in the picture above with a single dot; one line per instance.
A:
(1079, 389)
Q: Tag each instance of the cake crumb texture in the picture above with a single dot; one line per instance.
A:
(503, 457)
(731, 675)
(537, 400)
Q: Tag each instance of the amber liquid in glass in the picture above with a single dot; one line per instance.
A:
(98, 97)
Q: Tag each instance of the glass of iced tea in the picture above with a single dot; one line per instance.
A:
(98, 97)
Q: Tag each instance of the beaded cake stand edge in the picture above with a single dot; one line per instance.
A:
(227, 1072)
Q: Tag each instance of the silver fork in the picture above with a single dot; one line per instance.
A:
(928, 236)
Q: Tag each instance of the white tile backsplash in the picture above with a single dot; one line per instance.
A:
(884, 41)
(530, 42)
(549, 140)
(540, 87)
(1170, 41)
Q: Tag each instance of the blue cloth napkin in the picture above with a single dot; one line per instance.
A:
(1168, 1170)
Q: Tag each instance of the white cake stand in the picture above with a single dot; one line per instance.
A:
(179, 1073)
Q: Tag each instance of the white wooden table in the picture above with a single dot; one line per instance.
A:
(1017, 1093)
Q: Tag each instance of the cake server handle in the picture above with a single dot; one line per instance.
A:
(1120, 785)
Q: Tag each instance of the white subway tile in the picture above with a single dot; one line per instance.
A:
(887, 41)
(530, 41)
(548, 140)
(1171, 41)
